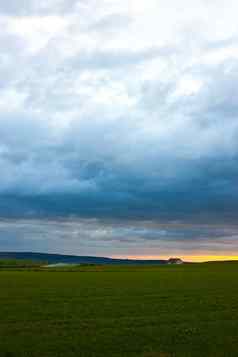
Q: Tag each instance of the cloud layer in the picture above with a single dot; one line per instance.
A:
(116, 238)
(119, 108)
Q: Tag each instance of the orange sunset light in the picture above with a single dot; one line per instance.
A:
(188, 258)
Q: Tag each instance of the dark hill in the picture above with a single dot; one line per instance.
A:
(74, 259)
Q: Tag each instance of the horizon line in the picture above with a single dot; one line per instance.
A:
(186, 258)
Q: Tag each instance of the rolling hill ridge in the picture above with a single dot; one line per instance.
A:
(75, 259)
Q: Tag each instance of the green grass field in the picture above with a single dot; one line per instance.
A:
(188, 310)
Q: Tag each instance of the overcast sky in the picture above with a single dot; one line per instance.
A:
(120, 110)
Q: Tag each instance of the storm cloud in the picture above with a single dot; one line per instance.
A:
(119, 110)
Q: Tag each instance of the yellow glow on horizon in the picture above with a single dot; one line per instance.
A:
(188, 258)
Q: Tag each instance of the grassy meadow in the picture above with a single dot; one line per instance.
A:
(187, 310)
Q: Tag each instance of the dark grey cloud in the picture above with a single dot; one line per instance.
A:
(115, 237)
(112, 165)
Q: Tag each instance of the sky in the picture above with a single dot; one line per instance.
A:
(119, 127)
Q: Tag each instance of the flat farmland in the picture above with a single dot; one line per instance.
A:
(186, 310)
